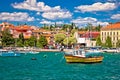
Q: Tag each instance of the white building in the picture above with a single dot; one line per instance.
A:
(83, 40)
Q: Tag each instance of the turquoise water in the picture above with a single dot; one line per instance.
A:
(52, 66)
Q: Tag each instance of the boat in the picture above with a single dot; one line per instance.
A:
(29, 52)
(33, 58)
(9, 53)
(82, 56)
(33, 52)
(94, 50)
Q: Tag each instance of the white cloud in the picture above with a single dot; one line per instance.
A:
(46, 22)
(51, 13)
(15, 16)
(50, 22)
(60, 22)
(57, 15)
(96, 7)
(35, 6)
(84, 21)
(116, 16)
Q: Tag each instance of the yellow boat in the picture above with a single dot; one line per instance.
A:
(80, 56)
(75, 59)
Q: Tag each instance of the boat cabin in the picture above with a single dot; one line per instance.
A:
(80, 53)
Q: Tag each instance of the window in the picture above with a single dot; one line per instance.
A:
(110, 33)
(117, 38)
(114, 33)
(107, 33)
(102, 33)
(117, 33)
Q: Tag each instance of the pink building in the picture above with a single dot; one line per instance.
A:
(17, 30)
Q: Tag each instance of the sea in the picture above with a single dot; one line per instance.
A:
(52, 66)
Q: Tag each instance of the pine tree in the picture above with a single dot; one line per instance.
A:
(108, 42)
(98, 41)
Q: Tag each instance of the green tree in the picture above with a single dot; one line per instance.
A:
(59, 37)
(52, 27)
(7, 38)
(108, 42)
(31, 41)
(73, 31)
(45, 26)
(69, 41)
(98, 28)
(66, 27)
(118, 43)
(42, 42)
(98, 41)
(26, 43)
(21, 40)
(89, 27)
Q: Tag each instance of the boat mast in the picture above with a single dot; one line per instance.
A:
(67, 36)
(89, 29)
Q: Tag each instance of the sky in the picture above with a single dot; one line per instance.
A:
(80, 12)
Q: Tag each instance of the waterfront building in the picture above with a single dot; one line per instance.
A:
(86, 38)
(25, 29)
(49, 35)
(6, 25)
(111, 30)
(17, 30)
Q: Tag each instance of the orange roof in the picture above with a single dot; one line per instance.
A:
(23, 27)
(81, 32)
(112, 26)
(40, 30)
(47, 35)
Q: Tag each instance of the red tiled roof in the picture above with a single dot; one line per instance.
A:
(112, 26)
(23, 27)
(91, 35)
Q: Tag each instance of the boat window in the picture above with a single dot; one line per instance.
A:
(76, 52)
(80, 52)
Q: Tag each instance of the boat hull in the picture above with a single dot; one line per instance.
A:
(76, 59)
(9, 54)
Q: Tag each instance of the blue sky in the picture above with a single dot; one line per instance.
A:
(80, 12)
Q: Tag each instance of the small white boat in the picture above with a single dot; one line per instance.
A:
(33, 52)
(9, 53)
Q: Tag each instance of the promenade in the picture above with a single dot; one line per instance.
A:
(54, 50)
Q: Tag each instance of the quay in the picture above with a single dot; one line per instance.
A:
(116, 50)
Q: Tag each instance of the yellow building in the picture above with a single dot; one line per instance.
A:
(113, 31)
